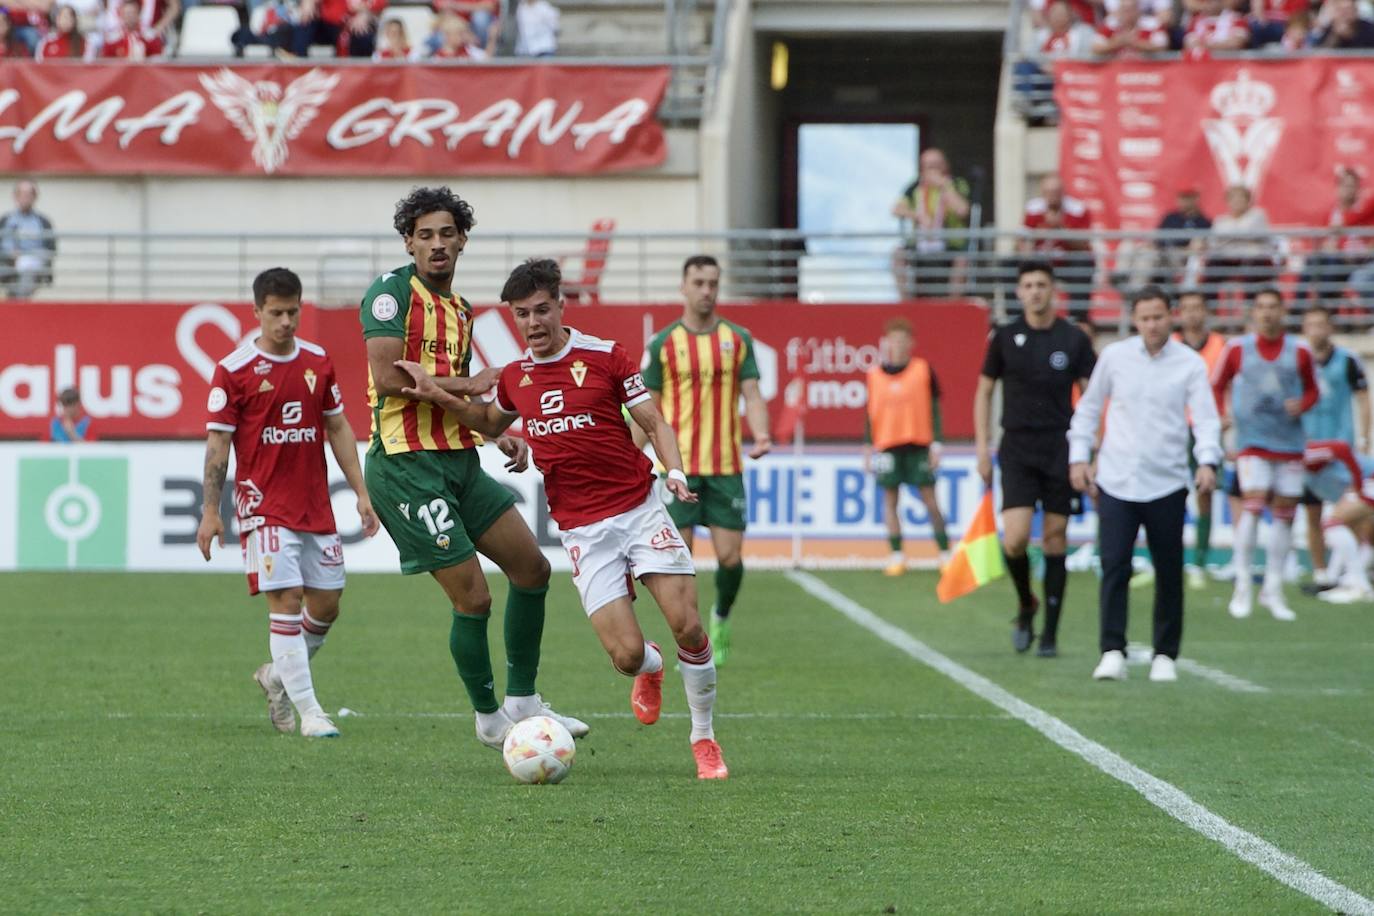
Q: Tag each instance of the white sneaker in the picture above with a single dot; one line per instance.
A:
(1347, 594)
(318, 725)
(278, 703)
(1271, 596)
(521, 708)
(492, 728)
(1241, 599)
(1112, 667)
(1162, 669)
(1197, 579)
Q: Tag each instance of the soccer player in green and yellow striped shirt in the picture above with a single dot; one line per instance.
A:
(697, 369)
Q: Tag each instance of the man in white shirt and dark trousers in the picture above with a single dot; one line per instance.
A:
(1152, 385)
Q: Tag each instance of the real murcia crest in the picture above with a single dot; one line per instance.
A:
(310, 380)
(579, 372)
(1243, 140)
(267, 114)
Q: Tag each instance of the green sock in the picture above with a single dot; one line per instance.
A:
(895, 542)
(524, 633)
(941, 539)
(1204, 540)
(467, 641)
(728, 579)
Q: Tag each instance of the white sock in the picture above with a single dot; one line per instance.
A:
(699, 680)
(1366, 555)
(1280, 539)
(518, 708)
(1244, 547)
(896, 559)
(291, 660)
(1345, 557)
(653, 661)
(314, 630)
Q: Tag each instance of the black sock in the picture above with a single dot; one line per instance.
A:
(1055, 577)
(1019, 567)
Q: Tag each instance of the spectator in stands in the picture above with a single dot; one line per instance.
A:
(27, 245)
(1072, 258)
(1216, 27)
(935, 204)
(277, 24)
(1062, 36)
(536, 25)
(1241, 249)
(456, 40)
(1327, 271)
(131, 41)
(1339, 26)
(1297, 32)
(64, 40)
(10, 45)
(155, 18)
(395, 43)
(1088, 12)
(1269, 19)
(69, 422)
(1161, 11)
(1174, 252)
(29, 20)
(480, 15)
(348, 25)
(1128, 34)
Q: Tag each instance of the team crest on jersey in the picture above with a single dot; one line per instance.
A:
(265, 386)
(1059, 360)
(310, 380)
(579, 372)
(526, 381)
(727, 346)
(262, 368)
(1020, 339)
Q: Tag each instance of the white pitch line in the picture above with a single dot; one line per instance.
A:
(1288, 869)
(808, 716)
(1138, 654)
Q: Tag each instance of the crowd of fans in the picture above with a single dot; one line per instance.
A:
(147, 29)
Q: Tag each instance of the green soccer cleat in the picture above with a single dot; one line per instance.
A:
(720, 637)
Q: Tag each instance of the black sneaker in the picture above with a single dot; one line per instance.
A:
(1047, 649)
(1021, 633)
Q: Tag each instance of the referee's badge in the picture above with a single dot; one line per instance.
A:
(1020, 339)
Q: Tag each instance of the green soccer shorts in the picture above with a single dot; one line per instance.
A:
(720, 504)
(434, 504)
(908, 464)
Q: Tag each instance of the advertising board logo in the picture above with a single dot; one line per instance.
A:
(73, 512)
(266, 114)
(1243, 140)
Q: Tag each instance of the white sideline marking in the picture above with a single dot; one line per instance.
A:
(810, 716)
(1292, 871)
(1138, 654)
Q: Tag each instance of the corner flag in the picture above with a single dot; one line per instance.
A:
(977, 559)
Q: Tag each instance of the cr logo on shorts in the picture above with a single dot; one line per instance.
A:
(1059, 360)
(551, 401)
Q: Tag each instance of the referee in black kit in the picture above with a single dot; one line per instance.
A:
(1038, 358)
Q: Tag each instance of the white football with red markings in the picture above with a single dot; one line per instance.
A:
(539, 751)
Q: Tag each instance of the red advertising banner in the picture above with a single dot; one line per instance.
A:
(119, 119)
(1133, 133)
(144, 370)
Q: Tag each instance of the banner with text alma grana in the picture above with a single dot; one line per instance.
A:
(119, 119)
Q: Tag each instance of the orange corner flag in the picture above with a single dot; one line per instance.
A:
(978, 558)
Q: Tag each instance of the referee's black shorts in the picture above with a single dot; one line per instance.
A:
(1035, 469)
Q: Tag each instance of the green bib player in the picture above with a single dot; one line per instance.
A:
(423, 471)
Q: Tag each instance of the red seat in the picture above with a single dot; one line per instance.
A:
(588, 287)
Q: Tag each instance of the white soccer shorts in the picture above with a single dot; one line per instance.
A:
(278, 558)
(1282, 478)
(606, 554)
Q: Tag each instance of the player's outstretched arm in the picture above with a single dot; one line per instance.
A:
(485, 418)
(345, 447)
(756, 413)
(664, 440)
(216, 470)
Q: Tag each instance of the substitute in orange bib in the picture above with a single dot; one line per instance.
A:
(902, 436)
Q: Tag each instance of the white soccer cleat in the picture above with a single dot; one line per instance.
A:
(1271, 596)
(1112, 667)
(1241, 599)
(1163, 669)
(492, 728)
(278, 703)
(1347, 594)
(521, 708)
(318, 725)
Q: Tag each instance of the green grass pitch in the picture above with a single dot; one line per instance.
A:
(140, 773)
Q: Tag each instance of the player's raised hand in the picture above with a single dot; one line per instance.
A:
(424, 389)
(211, 528)
(517, 450)
(762, 446)
(680, 491)
(369, 517)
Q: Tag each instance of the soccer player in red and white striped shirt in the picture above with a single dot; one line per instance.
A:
(570, 389)
(276, 401)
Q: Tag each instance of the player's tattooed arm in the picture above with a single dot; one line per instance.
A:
(216, 471)
(482, 417)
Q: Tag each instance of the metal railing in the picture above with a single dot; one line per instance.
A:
(1097, 271)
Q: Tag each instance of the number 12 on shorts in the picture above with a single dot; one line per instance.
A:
(435, 516)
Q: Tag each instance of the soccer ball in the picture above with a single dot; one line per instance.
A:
(539, 750)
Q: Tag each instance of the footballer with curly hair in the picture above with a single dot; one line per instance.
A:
(428, 486)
